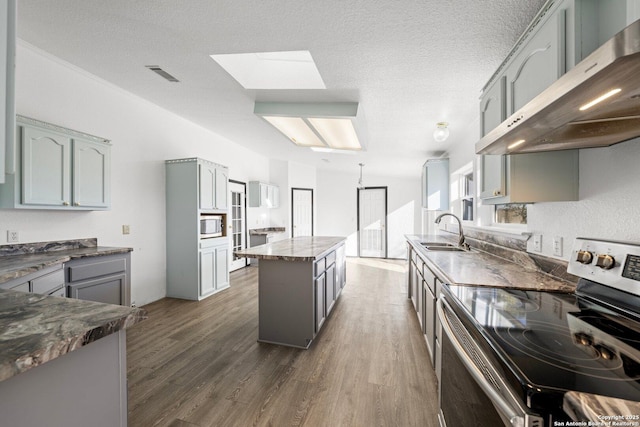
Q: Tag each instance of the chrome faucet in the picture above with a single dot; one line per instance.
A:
(461, 242)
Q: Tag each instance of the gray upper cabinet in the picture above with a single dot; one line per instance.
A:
(538, 64)
(435, 184)
(263, 195)
(214, 181)
(493, 106)
(7, 80)
(532, 177)
(58, 168)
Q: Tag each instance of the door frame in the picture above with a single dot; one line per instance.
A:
(386, 218)
(245, 231)
(312, 206)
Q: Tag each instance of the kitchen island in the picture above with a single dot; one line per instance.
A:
(300, 280)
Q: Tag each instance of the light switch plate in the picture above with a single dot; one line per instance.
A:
(557, 246)
(12, 236)
(126, 229)
(537, 242)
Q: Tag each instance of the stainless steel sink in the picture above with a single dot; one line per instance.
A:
(436, 244)
(446, 248)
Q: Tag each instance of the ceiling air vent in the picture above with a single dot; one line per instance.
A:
(162, 73)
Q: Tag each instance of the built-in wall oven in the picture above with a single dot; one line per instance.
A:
(512, 357)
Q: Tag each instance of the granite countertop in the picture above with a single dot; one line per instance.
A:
(296, 249)
(20, 260)
(267, 231)
(35, 329)
(599, 409)
(477, 268)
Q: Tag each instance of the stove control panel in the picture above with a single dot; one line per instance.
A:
(615, 264)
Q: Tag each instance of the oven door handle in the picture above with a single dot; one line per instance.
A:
(515, 417)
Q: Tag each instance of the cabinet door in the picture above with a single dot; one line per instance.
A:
(275, 198)
(91, 174)
(108, 290)
(207, 175)
(540, 63)
(330, 283)
(493, 106)
(207, 271)
(492, 179)
(222, 267)
(221, 186)
(264, 195)
(46, 168)
(430, 321)
(320, 284)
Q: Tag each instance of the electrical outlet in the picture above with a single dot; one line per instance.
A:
(537, 242)
(13, 236)
(126, 229)
(557, 246)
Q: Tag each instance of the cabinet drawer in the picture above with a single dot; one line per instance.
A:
(331, 259)
(22, 287)
(46, 284)
(217, 241)
(87, 271)
(320, 266)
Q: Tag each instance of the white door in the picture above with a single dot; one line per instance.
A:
(238, 224)
(372, 222)
(302, 212)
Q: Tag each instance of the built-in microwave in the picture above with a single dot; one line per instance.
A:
(211, 226)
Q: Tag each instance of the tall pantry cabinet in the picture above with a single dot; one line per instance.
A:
(197, 266)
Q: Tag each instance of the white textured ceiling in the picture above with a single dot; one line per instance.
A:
(409, 63)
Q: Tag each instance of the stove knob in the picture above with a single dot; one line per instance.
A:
(606, 262)
(584, 257)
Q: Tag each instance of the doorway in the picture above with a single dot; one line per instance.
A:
(372, 222)
(238, 215)
(301, 212)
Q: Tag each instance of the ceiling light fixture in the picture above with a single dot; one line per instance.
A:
(600, 99)
(442, 132)
(320, 125)
(360, 184)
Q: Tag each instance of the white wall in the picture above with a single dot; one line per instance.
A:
(143, 136)
(336, 203)
(609, 198)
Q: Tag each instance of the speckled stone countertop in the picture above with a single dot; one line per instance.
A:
(35, 329)
(266, 231)
(20, 260)
(477, 268)
(295, 249)
(599, 409)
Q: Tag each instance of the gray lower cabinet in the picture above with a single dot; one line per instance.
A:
(48, 281)
(214, 266)
(103, 279)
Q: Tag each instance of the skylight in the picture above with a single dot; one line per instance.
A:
(272, 70)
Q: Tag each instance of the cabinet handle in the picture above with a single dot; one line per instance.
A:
(65, 203)
(76, 204)
(496, 192)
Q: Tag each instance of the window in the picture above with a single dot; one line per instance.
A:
(511, 214)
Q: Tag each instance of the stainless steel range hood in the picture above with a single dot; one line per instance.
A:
(553, 120)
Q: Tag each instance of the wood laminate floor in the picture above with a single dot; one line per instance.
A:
(199, 364)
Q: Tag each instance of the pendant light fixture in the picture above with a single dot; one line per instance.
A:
(442, 132)
(360, 184)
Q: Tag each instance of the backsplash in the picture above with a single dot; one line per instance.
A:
(38, 247)
(512, 248)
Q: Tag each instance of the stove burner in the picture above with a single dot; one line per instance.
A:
(559, 347)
